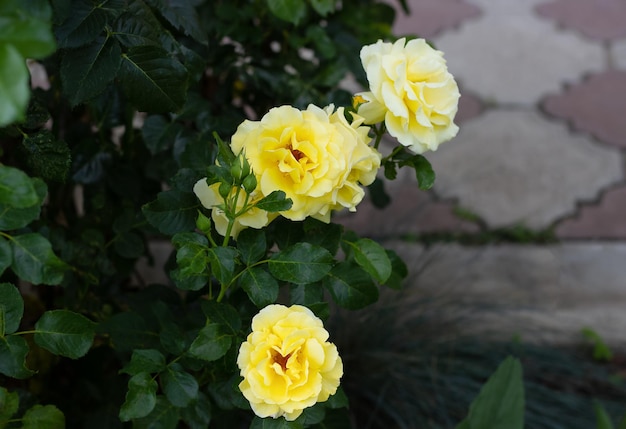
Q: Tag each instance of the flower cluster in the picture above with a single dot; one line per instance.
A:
(287, 363)
(412, 91)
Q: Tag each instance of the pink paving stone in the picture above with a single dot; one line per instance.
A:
(605, 220)
(596, 106)
(598, 19)
(430, 17)
(411, 211)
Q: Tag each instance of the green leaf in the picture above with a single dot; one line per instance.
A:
(603, 420)
(327, 235)
(323, 7)
(261, 287)
(128, 331)
(180, 387)
(372, 257)
(301, 263)
(224, 314)
(172, 212)
(500, 403)
(279, 423)
(153, 80)
(198, 414)
(423, 171)
(34, 261)
(288, 10)
(11, 309)
(6, 257)
(13, 351)
(140, 397)
(48, 157)
(274, 202)
(182, 15)
(14, 87)
(138, 26)
(399, 270)
(65, 333)
(601, 351)
(306, 294)
(159, 134)
(223, 263)
(82, 26)
(87, 71)
(163, 416)
(147, 360)
(173, 338)
(43, 417)
(16, 188)
(12, 218)
(252, 245)
(211, 343)
(9, 404)
(29, 35)
(350, 286)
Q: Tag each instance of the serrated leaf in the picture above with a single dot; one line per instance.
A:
(261, 287)
(198, 414)
(211, 343)
(301, 263)
(159, 134)
(182, 15)
(223, 263)
(17, 190)
(351, 287)
(172, 212)
(399, 270)
(9, 404)
(274, 202)
(32, 37)
(43, 417)
(224, 314)
(153, 80)
(13, 218)
(65, 333)
(173, 339)
(288, 10)
(82, 26)
(306, 294)
(140, 397)
(48, 157)
(327, 235)
(87, 71)
(180, 387)
(14, 87)
(500, 403)
(252, 245)
(11, 309)
(163, 416)
(372, 257)
(138, 26)
(34, 261)
(13, 351)
(423, 171)
(146, 360)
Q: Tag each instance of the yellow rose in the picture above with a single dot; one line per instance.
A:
(210, 198)
(315, 156)
(287, 362)
(412, 91)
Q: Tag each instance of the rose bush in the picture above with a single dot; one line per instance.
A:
(287, 363)
(412, 91)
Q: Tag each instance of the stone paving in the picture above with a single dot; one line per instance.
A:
(541, 147)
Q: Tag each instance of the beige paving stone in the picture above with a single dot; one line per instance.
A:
(510, 55)
(515, 167)
(543, 293)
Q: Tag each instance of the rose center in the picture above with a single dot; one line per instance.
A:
(282, 360)
(297, 154)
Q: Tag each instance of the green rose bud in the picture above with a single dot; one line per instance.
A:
(203, 223)
(225, 189)
(249, 183)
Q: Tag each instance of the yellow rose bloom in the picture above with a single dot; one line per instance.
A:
(287, 363)
(210, 198)
(412, 91)
(315, 156)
